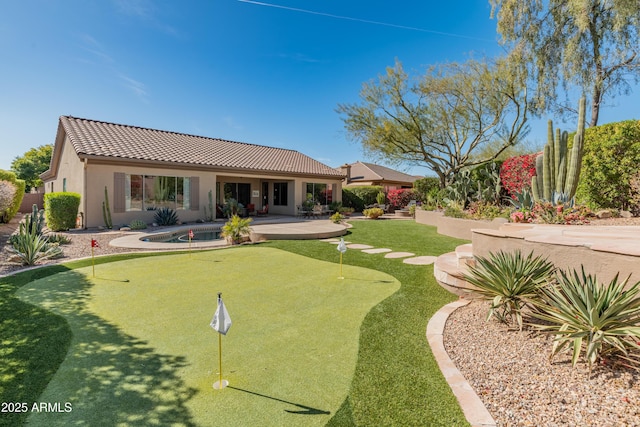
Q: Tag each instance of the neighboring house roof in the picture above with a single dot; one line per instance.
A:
(96, 139)
(361, 171)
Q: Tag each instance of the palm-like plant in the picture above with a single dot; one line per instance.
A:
(509, 280)
(582, 312)
(236, 228)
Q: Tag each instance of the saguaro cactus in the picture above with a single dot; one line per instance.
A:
(106, 212)
(558, 169)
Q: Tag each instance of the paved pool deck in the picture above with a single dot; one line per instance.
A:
(268, 228)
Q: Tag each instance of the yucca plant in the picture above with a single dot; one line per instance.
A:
(236, 228)
(166, 216)
(509, 281)
(28, 247)
(585, 314)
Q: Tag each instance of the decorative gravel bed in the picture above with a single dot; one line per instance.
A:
(510, 371)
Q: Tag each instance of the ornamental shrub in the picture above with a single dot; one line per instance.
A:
(61, 210)
(7, 214)
(516, 173)
(361, 196)
(401, 198)
(425, 186)
(610, 162)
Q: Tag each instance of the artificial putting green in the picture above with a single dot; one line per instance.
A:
(143, 352)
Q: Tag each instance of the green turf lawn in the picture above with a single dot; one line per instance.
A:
(143, 351)
(114, 347)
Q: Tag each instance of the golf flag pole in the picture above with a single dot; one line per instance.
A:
(94, 244)
(342, 248)
(190, 237)
(221, 323)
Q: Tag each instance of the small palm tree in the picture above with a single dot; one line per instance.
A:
(236, 228)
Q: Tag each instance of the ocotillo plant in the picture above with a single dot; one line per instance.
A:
(558, 168)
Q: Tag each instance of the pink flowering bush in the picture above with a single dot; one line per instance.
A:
(516, 173)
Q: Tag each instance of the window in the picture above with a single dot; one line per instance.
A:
(319, 193)
(280, 193)
(150, 192)
(64, 185)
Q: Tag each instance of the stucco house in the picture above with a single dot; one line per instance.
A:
(361, 173)
(145, 169)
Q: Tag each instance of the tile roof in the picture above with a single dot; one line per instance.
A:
(92, 138)
(361, 171)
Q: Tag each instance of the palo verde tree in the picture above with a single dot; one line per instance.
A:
(589, 44)
(441, 119)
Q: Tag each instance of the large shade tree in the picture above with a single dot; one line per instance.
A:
(589, 44)
(31, 164)
(441, 119)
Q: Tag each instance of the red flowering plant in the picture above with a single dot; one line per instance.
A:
(516, 173)
(401, 197)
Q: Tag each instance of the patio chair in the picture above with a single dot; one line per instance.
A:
(251, 209)
(317, 211)
(264, 211)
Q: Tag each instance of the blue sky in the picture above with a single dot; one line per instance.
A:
(269, 73)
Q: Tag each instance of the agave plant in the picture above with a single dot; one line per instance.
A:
(583, 313)
(166, 216)
(509, 281)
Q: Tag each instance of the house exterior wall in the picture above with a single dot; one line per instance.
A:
(89, 177)
(70, 172)
(100, 176)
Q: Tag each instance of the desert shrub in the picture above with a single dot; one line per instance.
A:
(137, 224)
(401, 197)
(486, 210)
(516, 173)
(361, 196)
(60, 239)
(7, 195)
(610, 162)
(337, 218)
(590, 317)
(373, 213)
(509, 281)
(166, 216)
(425, 186)
(8, 213)
(61, 210)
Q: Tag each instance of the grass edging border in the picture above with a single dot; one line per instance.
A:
(472, 407)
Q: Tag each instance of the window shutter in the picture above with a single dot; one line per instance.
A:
(118, 192)
(194, 193)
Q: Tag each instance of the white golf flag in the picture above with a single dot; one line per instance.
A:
(221, 321)
(342, 247)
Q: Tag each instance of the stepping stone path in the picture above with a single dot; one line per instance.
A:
(359, 246)
(376, 251)
(410, 258)
(420, 260)
(399, 254)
